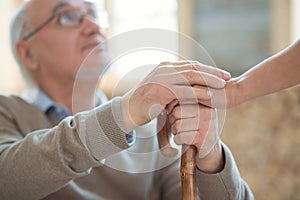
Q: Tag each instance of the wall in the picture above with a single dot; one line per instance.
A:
(235, 33)
(10, 79)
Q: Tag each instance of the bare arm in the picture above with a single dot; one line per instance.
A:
(275, 73)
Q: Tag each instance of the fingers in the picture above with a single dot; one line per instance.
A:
(194, 125)
(195, 77)
(204, 141)
(187, 94)
(175, 82)
(185, 118)
(190, 111)
(188, 138)
(172, 105)
(219, 98)
(195, 65)
(190, 77)
(195, 73)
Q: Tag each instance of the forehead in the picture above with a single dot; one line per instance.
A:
(49, 6)
(39, 10)
(75, 3)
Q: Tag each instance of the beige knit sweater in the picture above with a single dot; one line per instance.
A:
(86, 156)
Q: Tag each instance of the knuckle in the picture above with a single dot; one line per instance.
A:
(174, 131)
(189, 75)
(165, 63)
(177, 112)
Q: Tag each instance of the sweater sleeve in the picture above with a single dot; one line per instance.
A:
(101, 130)
(43, 161)
(226, 184)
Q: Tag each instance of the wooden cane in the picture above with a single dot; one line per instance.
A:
(188, 172)
(188, 159)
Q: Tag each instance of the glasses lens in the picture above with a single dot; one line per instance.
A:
(70, 18)
(93, 15)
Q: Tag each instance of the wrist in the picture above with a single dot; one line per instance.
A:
(234, 92)
(214, 162)
(129, 124)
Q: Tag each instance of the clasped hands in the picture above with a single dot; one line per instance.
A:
(185, 91)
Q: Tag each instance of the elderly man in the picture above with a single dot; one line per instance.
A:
(49, 150)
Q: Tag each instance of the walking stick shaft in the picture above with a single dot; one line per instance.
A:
(188, 172)
(188, 161)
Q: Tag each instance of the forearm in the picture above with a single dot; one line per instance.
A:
(275, 73)
(213, 162)
(41, 163)
(46, 160)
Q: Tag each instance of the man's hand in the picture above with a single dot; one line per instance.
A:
(196, 124)
(167, 82)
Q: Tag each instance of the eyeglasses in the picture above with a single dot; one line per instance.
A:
(67, 18)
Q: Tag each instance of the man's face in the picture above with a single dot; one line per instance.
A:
(60, 50)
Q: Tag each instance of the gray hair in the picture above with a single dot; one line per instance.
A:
(19, 25)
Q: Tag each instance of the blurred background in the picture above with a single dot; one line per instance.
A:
(264, 134)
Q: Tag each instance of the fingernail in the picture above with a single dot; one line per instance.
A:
(167, 111)
(227, 75)
(209, 93)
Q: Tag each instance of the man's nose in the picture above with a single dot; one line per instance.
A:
(90, 26)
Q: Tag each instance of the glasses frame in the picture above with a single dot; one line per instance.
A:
(47, 21)
(36, 30)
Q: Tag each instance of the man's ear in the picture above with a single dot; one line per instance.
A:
(25, 55)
